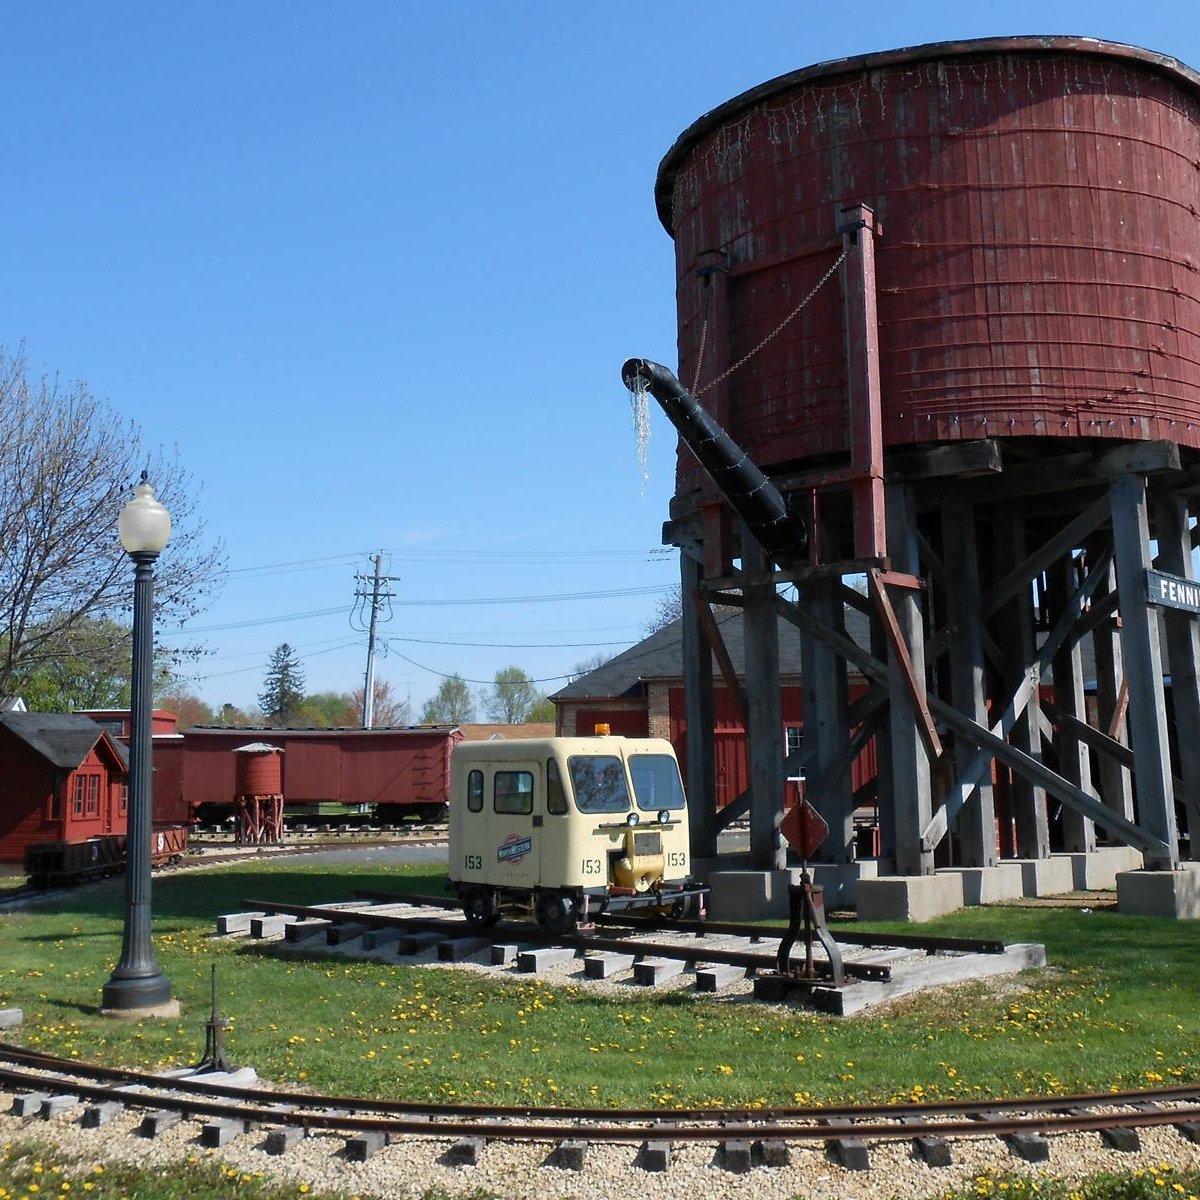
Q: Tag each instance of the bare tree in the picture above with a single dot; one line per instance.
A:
(67, 465)
(669, 608)
(389, 709)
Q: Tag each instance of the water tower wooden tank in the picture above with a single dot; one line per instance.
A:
(948, 299)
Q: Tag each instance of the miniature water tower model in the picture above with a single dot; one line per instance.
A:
(258, 793)
(939, 332)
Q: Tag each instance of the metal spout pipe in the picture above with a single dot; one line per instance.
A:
(780, 530)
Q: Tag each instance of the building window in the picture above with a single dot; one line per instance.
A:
(78, 795)
(793, 738)
(91, 804)
(123, 800)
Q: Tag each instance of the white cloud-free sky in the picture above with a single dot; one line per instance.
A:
(374, 268)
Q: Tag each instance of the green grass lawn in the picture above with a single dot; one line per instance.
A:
(1118, 1008)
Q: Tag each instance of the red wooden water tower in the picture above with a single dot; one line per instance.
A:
(948, 300)
(259, 792)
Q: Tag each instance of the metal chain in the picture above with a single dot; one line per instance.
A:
(774, 332)
(700, 356)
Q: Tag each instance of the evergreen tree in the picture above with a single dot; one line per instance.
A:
(282, 696)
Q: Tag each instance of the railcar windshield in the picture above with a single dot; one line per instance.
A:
(656, 782)
(599, 783)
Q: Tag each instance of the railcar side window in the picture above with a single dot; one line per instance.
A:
(556, 799)
(475, 791)
(656, 782)
(512, 792)
(599, 783)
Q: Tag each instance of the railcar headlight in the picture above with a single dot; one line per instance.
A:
(632, 819)
(664, 817)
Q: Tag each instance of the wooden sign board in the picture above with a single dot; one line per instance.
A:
(1173, 591)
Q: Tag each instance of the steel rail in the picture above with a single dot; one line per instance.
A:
(314, 1113)
(68, 1072)
(850, 937)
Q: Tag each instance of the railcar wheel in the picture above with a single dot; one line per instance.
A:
(480, 907)
(684, 909)
(555, 912)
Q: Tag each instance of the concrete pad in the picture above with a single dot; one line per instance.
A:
(1050, 876)
(1161, 893)
(53, 1105)
(1097, 871)
(748, 895)
(909, 897)
(11, 1018)
(988, 885)
(169, 1011)
(228, 923)
(272, 926)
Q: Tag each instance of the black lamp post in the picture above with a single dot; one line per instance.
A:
(137, 983)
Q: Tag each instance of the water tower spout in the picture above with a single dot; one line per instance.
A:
(767, 513)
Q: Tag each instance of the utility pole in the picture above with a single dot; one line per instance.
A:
(378, 596)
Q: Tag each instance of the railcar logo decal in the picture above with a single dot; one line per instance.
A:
(514, 849)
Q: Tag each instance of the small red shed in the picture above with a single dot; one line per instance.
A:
(62, 778)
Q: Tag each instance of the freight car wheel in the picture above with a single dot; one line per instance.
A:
(555, 913)
(480, 907)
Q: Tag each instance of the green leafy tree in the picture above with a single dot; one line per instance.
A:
(542, 713)
(512, 697)
(282, 696)
(67, 461)
(453, 704)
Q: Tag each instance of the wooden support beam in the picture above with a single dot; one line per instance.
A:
(699, 748)
(712, 634)
(1062, 543)
(1143, 666)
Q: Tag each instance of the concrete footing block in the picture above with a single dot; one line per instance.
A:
(544, 957)
(379, 939)
(228, 923)
(653, 971)
(155, 1124)
(280, 1141)
(301, 931)
(28, 1104)
(568, 1155)
(460, 949)
(735, 1156)
(605, 964)
(215, 1134)
(52, 1106)
(415, 943)
(100, 1113)
(841, 880)
(748, 895)
(909, 897)
(1050, 876)
(771, 1154)
(718, 975)
(1097, 871)
(360, 1147)
(10, 1018)
(988, 885)
(273, 926)
(1174, 894)
(464, 1153)
(654, 1156)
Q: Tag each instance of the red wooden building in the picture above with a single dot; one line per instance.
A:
(62, 777)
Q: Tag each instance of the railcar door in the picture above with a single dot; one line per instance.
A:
(517, 817)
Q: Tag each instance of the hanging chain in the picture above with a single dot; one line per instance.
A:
(700, 355)
(774, 332)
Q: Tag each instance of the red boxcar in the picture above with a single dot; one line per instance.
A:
(397, 771)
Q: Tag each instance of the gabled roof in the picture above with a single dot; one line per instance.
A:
(63, 739)
(660, 656)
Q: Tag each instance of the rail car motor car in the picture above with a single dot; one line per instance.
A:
(568, 827)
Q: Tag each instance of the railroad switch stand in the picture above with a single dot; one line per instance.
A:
(215, 1058)
(806, 913)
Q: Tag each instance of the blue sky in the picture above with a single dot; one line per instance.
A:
(373, 268)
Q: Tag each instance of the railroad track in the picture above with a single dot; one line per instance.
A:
(45, 1086)
(711, 956)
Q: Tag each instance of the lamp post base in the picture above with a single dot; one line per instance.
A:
(137, 995)
(169, 1011)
